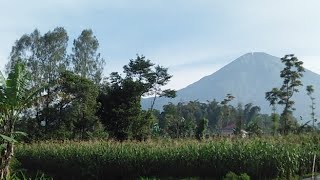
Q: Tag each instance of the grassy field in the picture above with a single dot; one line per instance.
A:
(260, 158)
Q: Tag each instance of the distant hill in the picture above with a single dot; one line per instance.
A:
(247, 78)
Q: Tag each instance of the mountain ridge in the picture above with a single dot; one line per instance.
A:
(247, 78)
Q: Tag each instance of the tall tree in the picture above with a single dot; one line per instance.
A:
(224, 112)
(82, 106)
(291, 75)
(202, 128)
(273, 98)
(152, 78)
(121, 102)
(86, 60)
(26, 50)
(44, 57)
(240, 119)
(120, 106)
(53, 61)
(250, 112)
(159, 78)
(310, 91)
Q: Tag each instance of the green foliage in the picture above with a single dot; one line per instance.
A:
(291, 75)
(141, 128)
(272, 97)
(82, 105)
(15, 97)
(21, 175)
(68, 105)
(310, 91)
(120, 108)
(157, 79)
(234, 176)
(254, 129)
(184, 117)
(224, 113)
(44, 58)
(87, 62)
(240, 119)
(275, 125)
(263, 158)
(202, 129)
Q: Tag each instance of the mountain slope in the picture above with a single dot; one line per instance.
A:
(247, 78)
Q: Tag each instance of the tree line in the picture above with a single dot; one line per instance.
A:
(78, 102)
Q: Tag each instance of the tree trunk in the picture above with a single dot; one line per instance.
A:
(153, 101)
(5, 161)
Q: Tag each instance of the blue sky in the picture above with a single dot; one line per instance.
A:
(193, 38)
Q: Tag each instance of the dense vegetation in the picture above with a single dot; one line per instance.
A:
(52, 95)
(259, 158)
(78, 102)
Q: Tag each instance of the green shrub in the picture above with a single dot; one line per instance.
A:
(234, 176)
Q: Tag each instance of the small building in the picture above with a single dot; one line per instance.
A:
(228, 130)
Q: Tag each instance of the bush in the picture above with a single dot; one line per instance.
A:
(234, 176)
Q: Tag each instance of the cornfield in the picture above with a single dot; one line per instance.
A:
(260, 158)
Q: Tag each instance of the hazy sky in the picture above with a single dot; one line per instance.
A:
(193, 38)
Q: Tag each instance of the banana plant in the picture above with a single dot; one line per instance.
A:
(16, 95)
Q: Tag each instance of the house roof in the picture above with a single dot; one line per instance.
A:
(229, 127)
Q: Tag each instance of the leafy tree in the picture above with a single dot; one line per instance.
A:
(121, 103)
(250, 112)
(27, 50)
(175, 122)
(184, 116)
(202, 128)
(310, 91)
(87, 62)
(15, 97)
(169, 109)
(254, 129)
(176, 126)
(141, 128)
(213, 111)
(159, 78)
(240, 119)
(82, 105)
(44, 57)
(291, 75)
(225, 111)
(151, 77)
(120, 106)
(273, 97)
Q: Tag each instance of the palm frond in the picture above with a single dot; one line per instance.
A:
(16, 84)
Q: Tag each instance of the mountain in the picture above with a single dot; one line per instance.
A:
(247, 78)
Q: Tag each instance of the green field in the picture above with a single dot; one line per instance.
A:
(260, 158)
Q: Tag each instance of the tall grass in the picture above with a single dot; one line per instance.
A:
(259, 158)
